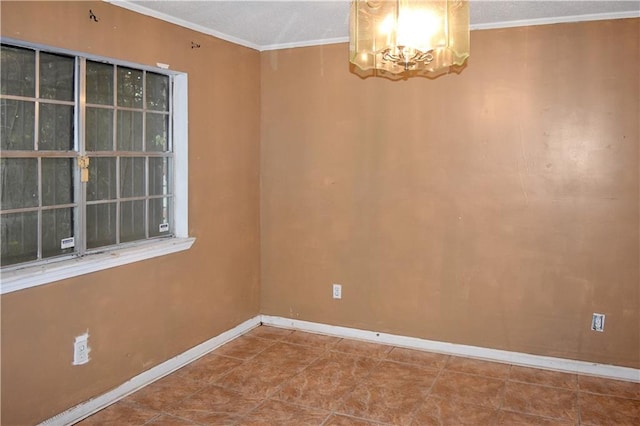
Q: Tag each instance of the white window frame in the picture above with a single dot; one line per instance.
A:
(32, 275)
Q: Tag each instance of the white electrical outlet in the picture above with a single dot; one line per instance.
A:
(337, 291)
(81, 349)
(597, 322)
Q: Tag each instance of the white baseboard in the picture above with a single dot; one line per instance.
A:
(85, 409)
(517, 358)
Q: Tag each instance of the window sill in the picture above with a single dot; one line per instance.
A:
(32, 276)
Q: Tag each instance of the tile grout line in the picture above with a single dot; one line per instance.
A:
(331, 349)
(579, 406)
(361, 381)
(221, 376)
(562, 389)
(429, 393)
(378, 360)
(504, 393)
(269, 396)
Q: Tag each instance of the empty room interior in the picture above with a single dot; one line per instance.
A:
(487, 213)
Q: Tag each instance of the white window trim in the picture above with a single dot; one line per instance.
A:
(40, 274)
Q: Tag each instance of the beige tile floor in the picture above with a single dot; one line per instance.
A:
(272, 376)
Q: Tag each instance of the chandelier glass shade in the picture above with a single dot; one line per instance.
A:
(421, 37)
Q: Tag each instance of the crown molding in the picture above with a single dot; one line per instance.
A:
(555, 20)
(127, 4)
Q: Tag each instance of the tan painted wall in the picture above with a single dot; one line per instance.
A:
(498, 207)
(143, 314)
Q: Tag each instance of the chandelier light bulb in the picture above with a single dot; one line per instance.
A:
(414, 37)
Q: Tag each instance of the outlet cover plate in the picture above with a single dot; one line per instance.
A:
(597, 322)
(81, 349)
(337, 291)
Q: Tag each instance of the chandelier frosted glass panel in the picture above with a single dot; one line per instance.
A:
(409, 36)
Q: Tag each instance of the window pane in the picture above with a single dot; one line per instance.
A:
(129, 130)
(159, 176)
(56, 225)
(99, 129)
(101, 225)
(132, 176)
(159, 209)
(57, 181)
(56, 127)
(132, 221)
(99, 83)
(19, 235)
(156, 137)
(157, 92)
(18, 183)
(129, 88)
(17, 120)
(17, 71)
(102, 179)
(56, 77)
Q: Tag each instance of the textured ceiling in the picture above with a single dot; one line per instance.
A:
(266, 25)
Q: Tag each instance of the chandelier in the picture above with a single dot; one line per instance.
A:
(409, 37)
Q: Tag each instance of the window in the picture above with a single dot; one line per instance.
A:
(88, 162)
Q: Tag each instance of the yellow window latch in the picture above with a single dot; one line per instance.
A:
(83, 163)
